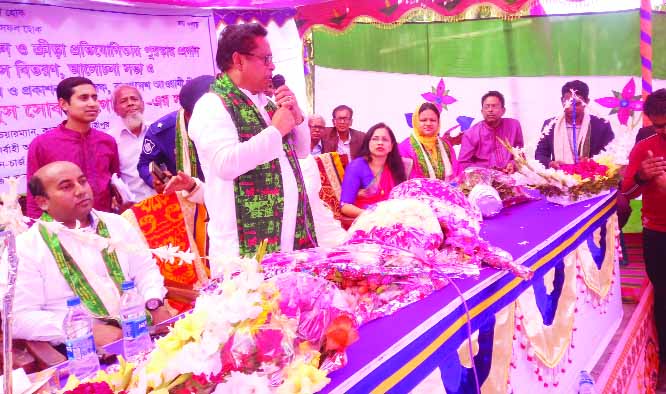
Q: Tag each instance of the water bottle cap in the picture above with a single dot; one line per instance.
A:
(128, 285)
(73, 301)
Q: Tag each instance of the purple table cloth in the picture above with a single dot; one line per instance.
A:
(396, 352)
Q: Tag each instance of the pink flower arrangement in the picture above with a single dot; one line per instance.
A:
(587, 169)
(91, 388)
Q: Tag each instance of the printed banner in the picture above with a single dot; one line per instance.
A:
(41, 44)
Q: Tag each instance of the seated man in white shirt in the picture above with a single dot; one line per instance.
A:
(55, 267)
(129, 106)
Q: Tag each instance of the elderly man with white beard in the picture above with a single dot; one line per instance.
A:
(128, 105)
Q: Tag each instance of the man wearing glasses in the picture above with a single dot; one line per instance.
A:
(249, 148)
(480, 146)
(341, 137)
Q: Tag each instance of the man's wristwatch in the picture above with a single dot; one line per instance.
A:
(153, 304)
(639, 181)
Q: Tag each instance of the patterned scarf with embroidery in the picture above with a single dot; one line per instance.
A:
(186, 154)
(72, 273)
(259, 192)
(437, 165)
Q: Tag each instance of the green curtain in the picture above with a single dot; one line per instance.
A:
(592, 44)
(659, 45)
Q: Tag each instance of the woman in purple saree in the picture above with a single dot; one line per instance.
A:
(370, 177)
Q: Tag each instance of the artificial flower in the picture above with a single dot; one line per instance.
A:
(439, 96)
(623, 103)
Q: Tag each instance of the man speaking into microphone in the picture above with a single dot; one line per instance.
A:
(249, 148)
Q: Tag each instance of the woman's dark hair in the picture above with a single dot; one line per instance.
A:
(394, 160)
(655, 103)
(429, 106)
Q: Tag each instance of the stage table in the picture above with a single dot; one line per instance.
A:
(532, 336)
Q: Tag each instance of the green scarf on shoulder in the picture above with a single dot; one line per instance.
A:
(72, 273)
(259, 192)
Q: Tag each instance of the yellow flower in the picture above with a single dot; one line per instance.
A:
(303, 378)
(190, 327)
(170, 343)
(118, 381)
(157, 362)
(71, 384)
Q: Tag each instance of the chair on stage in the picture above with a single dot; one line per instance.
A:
(33, 356)
(165, 219)
(331, 171)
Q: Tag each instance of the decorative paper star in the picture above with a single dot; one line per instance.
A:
(439, 96)
(623, 104)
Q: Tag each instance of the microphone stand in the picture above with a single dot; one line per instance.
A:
(7, 304)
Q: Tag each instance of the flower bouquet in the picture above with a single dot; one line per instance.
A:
(245, 334)
(510, 193)
(460, 221)
(375, 279)
(571, 183)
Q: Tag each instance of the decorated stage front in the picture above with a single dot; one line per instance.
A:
(527, 336)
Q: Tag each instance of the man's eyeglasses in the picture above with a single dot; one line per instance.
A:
(268, 59)
(342, 119)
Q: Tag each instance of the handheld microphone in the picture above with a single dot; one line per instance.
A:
(278, 80)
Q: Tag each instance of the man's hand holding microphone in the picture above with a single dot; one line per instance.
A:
(288, 114)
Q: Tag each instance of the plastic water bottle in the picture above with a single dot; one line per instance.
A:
(81, 352)
(586, 384)
(136, 339)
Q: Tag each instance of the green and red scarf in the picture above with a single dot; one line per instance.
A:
(72, 273)
(186, 154)
(436, 163)
(259, 192)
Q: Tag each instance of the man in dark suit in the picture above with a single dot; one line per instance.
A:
(593, 133)
(341, 137)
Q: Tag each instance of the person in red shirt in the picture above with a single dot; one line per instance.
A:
(74, 140)
(646, 175)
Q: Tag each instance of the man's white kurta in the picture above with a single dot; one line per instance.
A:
(40, 303)
(223, 158)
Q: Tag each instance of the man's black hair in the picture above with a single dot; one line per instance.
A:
(655, 103)
(237, 38)
(580, 87)
(493, 93)
(65, 88)
(36, 187)
(343, 107)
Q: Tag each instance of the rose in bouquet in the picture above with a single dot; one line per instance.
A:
(571, 182)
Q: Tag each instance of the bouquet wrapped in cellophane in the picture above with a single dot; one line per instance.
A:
(509, 192)
(402, 249)
(245, 334)
(571, 182)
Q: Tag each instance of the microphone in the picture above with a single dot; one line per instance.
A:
(277, 80)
